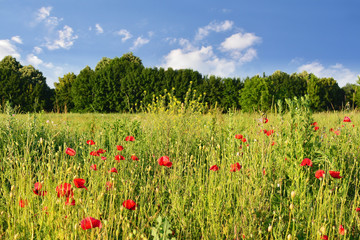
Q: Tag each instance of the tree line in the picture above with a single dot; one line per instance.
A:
(124, 85)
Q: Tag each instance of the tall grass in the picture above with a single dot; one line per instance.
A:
(270, 197)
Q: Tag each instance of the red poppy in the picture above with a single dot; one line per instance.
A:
(108, 185)
(90, 142)
(314, 124)
(37, 188)
(94, 167)
(64, 190)
(306, 162)
(129, 139)
(135, 158)
(101, 151)
(238, 136)
(264, 172)
(90, 222)
(316, 128)
(119, 157)
(235, 167)
(265, 131)
(347, 119)
(335, 174)
(113, 170)
(23, 203)
(243, 139)
(273, 143)
(358, 209)
(94, 153)
(165, 161)
(79, 183)
(331, 130)
(324, 237)
(129, 204)
(268, 133)
(68, 203)
(119, 147)
(341, 230)
(319, 174)
(214, 168)
(70, 151)
(265, 120)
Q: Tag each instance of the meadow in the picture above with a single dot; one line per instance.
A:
(180, 174)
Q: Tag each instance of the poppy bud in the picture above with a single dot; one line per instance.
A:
(293, 193)
(289, 237)
(269, 228)
(291, 206)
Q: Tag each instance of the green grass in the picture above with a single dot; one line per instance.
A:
(193, 202)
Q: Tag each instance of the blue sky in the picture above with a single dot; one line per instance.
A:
(224, 38)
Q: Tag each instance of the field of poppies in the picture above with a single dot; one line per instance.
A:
(290, 174)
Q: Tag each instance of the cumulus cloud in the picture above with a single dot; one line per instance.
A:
(140, 41)
(64, 40)
(201, 59)
(43, 15)
(37, 50)
(125, 34)
(33, 60)
(17, 39)
(239, 41)
(213, 27)
(99, 29)
(8, 48)
(340, 73)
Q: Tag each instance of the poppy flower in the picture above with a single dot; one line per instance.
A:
(68, 203)
(238, 136)
(119, 157)
(324, 237)
(90, 142)
(113, 170)
(64, 190)
(265, 131)
(108, 185)
(341, 230)
(319, 174)
(273, 143)
(94, 153)
(37, 188)
(101, 151)
(134, 158)
(265, 120)
(94, 167)
(316, 128)
(335, 174)
(119, 147)
(268, 133)
(314, 124)
(103, 158)
(235, 167)
(129, 204)
(347, 119)
(129, 139)
(90, 222)
(214, 168)
(358, 209)
(165, 161)
(306, 162)
(243, 139)
(264, 172)
(23, 203)
(70, 152)
(79, 183)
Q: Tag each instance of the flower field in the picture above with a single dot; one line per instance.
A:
(292, 175)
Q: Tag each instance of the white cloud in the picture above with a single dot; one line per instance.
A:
(215, 27)
(139, 42)
(65, 39)
(125, 34)
(340, 73)
(17, 39)
(37, 50)
(43, 15)
(33, 60)
(239, 41)
(8, 48)
(200, 59)
(99, 29)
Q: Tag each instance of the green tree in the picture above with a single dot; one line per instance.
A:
(63, 92)
(255, 95)
(82, 90)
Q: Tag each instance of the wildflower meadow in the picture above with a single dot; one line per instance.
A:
(180, 173)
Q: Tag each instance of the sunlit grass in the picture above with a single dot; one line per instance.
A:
(270, 197)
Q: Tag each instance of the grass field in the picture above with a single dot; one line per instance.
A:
(267, 195)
